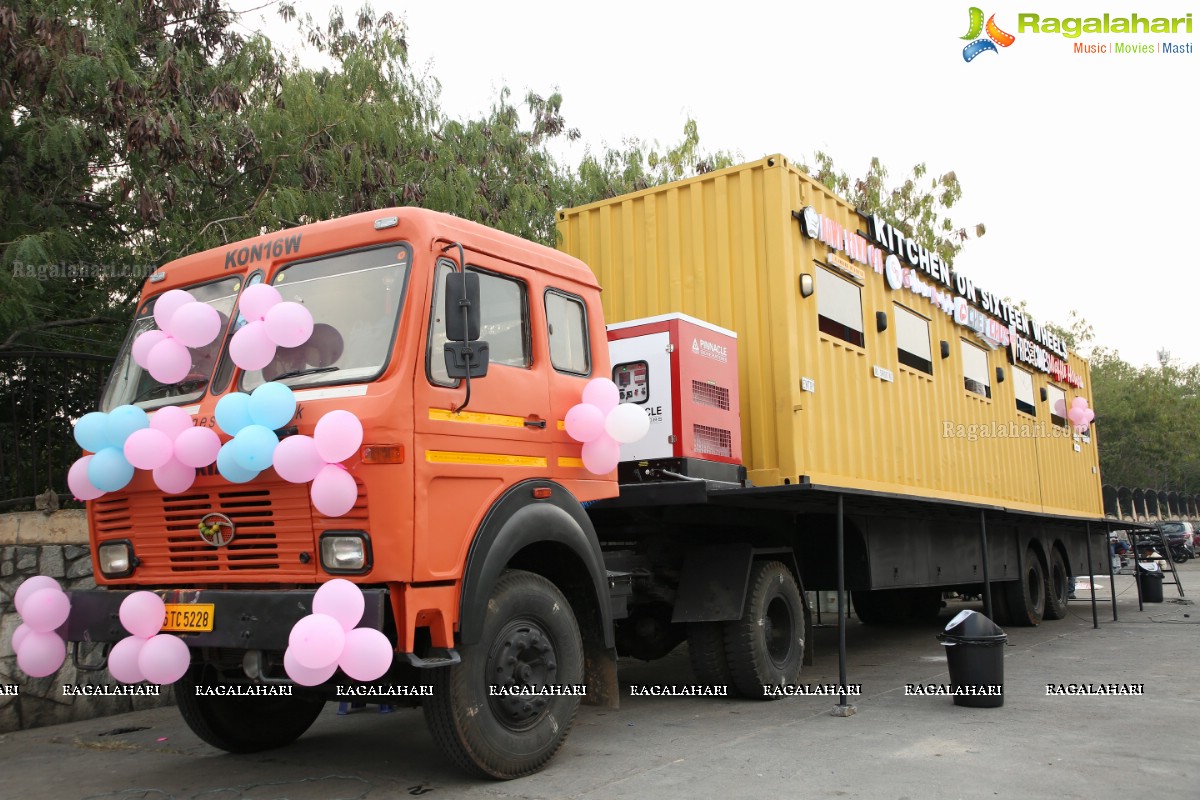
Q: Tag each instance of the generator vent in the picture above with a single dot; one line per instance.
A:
(712, 441)
(709, 394)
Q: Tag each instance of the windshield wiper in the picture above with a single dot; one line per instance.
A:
(310, 371)
(181, 388)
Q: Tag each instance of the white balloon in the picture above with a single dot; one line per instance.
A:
(627, 423)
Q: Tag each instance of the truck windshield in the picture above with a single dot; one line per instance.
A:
(129, 383)
(355, 301)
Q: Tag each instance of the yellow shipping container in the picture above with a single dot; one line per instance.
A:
(864, 362)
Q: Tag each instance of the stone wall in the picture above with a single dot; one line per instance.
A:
(33, 543)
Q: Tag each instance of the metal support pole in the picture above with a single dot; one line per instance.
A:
(1087, 536)
(843, 708)
(987, 580)
(1112, 581)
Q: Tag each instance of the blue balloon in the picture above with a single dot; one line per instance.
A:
(253, 447)
(233, 412)
(91, 432)
(123, 421)
(229, 468)
(272, 405)
(109, 471)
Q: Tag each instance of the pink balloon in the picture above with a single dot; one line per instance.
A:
(367, 655)
(195, 324)
(171, 420)
(289, 324)
(19, 635)
(174, 476)
(302, 674)
(197, 447)
(166, 306)
(1075, 414)
(296, 459)
(257, 300)
(41, 654)
(78, 482)
(342, 600)
(338, 435)
(169, 361)
(333, 491)
(600, 456)
(1088, 415)
(164, 659)
(148, 448)
(251, 348)
(602, 393)
(46, 609)
(316, 641)
(143, 614)
(123, 660)
(144, 343)
(584, 422)
(31, 585)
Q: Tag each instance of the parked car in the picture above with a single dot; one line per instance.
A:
(1180, 538)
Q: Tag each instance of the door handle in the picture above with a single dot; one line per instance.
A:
(534, 422)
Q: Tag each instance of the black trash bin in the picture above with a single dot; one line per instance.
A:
(1150, 580)
(975, 657)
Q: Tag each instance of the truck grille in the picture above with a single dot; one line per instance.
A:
(274, 531)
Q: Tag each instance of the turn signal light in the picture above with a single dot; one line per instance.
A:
(383, 454)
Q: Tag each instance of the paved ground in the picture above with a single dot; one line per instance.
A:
(895, 747)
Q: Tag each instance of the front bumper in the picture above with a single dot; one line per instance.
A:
(244, 620)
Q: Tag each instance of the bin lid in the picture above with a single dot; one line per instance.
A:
(970, 624)
(1148, 566)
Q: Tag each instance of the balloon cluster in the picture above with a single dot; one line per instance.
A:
(1080, 415)
(43, 607)
(327, 639)
(183, 322)
(603, 424)
(252, 419)
(270, 323)
(317, 458)
(172, 448)
(147, 655)
(104, 435)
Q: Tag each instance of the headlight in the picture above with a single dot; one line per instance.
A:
(116, 559)
(345, 552)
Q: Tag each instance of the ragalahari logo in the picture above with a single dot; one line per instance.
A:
(995, 36)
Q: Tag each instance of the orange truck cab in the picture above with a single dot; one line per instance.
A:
(469, 491)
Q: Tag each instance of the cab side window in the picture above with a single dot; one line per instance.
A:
(567, 332)
(504, 322)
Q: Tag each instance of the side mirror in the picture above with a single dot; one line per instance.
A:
(462, 290)
(466, 359)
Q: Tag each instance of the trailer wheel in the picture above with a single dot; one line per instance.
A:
(766, 646)
(881, 607)
(530, 641)
(706, 650)
(1056, 587)
(1026, 598)
(244, 724)
(925, 605)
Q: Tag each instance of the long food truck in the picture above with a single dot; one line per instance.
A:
(816, 383)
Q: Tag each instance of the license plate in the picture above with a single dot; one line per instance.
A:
(189, 617)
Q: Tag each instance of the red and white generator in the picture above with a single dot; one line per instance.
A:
(684, 373)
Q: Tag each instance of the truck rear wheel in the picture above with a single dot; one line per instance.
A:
(530, 641)
(1026, 598)
(882, 606)
(766, 646)
(1056, 587)
(706, 649)
(242, 724)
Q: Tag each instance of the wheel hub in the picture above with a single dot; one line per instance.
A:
(523, 658)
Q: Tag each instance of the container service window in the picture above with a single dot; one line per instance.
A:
(975, 369)
(1057, 400)
(839, 308)
(1023, 384)
(567, 332)
(912, 340)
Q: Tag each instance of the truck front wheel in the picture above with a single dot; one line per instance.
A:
(766, 646)
(505, 710)
(242, 724)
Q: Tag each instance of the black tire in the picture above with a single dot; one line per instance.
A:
(881, 607)
(530, 640)
(924, 605)
(1000, 614)
(1026, 598)
(706, 650)
(243, 724)
(766, 646)
(1057, 581)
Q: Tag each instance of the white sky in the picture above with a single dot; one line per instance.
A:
(1084, 168)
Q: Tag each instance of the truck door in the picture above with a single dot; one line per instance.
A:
(465, 458)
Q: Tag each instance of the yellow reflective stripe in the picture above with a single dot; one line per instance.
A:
(477, 418)
(487, 459)
(562, 425)
(570, 462)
